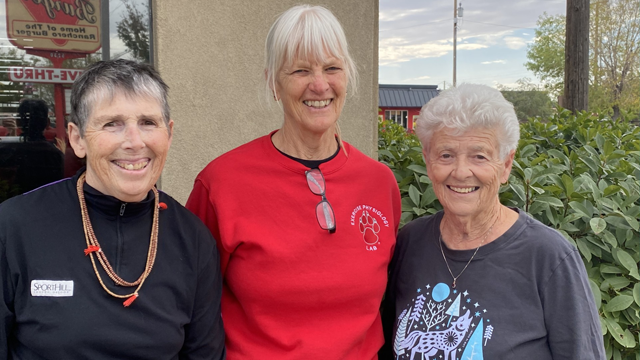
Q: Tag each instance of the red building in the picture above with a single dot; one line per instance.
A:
(402, 103)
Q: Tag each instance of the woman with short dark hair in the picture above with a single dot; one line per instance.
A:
(103, 265)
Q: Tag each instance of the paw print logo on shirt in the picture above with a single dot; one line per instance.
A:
(369, 228)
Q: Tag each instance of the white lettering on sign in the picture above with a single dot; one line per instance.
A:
(43, 75)
(55, 288)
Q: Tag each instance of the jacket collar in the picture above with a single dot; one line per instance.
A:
(111, 206)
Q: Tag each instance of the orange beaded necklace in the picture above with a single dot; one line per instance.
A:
(93, 248)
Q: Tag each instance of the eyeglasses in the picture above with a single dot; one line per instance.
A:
(324, 212)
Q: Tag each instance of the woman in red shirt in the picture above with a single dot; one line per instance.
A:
(305, 223)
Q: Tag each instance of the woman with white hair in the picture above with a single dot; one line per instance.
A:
(479, 279)
(305, 223)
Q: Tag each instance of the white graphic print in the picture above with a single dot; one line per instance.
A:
(442, 324)
(369, 228)
(447, 340)
(369, 221)
(52, 288)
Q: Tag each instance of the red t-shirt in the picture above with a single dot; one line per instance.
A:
(292, 290)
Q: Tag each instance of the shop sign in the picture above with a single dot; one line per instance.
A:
(54, 25)
(43, 75)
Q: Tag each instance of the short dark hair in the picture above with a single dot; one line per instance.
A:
(107, 78)
(34, 118)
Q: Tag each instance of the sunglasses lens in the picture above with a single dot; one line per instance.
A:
(325, 216)
(315, 180)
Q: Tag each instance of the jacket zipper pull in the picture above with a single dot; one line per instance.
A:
(122, 208)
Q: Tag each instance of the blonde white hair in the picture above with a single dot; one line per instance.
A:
(470, 107)
(306, 32)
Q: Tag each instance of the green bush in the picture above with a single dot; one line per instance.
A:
(577, 174)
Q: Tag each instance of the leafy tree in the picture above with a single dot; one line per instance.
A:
(546, 54)
(528, 100)
(614, 52)
(615, 59)
(133, 30)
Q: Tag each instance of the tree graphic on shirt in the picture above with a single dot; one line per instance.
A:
(433, 314)
(454, 309)
(417, 309)
(401, 331)
(488, 332)
(473, 349)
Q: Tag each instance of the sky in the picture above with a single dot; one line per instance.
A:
(416, 41)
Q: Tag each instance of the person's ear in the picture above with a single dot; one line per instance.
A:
(273, 90)
(76, 140)
(170, 128)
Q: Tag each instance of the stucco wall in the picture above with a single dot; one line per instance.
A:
(210, 53)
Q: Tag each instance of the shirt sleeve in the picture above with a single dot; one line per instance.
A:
(388, 323)
(204, 335)
(571, 317)
(200, 204)
(7, 316)
(389, 301)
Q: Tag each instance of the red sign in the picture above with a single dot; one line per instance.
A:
(43, 75)
(56, 25)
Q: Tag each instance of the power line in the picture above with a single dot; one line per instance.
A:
(509, 26)
(116, 8)
(465, 20)
(412, 26)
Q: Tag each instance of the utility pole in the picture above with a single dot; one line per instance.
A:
(104, 31)
(456, 11)
(576, 56)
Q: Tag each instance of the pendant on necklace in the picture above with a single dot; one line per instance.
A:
(454, 284)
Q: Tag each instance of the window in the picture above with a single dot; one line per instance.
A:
(400, 117)
(39, 59)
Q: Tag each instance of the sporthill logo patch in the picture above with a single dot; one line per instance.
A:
(53, 288)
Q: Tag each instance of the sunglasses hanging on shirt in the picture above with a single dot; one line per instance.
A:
(324, 212)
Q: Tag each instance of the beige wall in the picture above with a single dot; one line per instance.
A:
(210, 53)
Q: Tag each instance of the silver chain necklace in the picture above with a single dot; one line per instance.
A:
(472, 256)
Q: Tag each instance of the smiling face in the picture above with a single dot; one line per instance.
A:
(126, 143)
(312, 93)
(466, 171)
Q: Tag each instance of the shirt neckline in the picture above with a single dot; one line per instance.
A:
(485, 250)
(327, 168)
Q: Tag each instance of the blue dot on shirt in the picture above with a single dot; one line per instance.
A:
(440, 292)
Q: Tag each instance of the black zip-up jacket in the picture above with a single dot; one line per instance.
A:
(53, 307)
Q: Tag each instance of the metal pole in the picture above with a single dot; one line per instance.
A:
(455, 32)
(104, 31)
(151, 37)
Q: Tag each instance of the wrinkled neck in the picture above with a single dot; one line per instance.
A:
(304, 145)
(464, 233)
